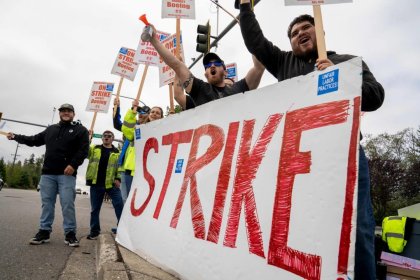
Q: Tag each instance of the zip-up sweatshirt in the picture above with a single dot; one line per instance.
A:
(285, 65)
(66, 143)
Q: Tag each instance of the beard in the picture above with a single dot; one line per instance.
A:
(215, 77)
(66, 120)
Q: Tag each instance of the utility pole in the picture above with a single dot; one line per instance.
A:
(52, 119)
(15, 155)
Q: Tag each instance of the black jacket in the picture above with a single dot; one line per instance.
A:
(285, 65)
(65, 143)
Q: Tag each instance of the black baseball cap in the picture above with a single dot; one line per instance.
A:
(66, 106)
(211, 56)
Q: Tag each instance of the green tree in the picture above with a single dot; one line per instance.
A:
(177, 108)
(394, 162)
(26, 175)
(3, 169)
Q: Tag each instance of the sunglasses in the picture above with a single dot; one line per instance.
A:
(107, 136)
(215, 63)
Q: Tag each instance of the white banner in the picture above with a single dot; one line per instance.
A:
(260, 185)
(314, 2)
(146, 53)
(166, 73)
(124, 64)
(100, 97)
(184, 9)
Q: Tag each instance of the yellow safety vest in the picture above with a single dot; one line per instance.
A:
(127, 129)
(112, 167)
(393, 229)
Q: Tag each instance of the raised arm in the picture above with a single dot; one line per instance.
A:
(253, 77)
(255, 41)
(179, 67)
(179, 94)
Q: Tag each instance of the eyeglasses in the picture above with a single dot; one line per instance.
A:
(106, 136)
(215, 63)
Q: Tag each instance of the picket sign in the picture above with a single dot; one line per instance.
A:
(260, 185)
(125, 67)
(166, 73)
(99, 99)
(232, 71)
(124, 64)
(178, 9)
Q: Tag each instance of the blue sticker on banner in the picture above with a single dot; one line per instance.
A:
(138, 134)
(328, 82)
(123, 50)
(109, 87)
(179, 164)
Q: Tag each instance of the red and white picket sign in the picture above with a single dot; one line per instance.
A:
(100, 97)
(124, 65)
(181, 9)
(166, 73)
(146, 53)
(260, 185)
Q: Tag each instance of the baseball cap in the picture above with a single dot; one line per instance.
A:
(66, 106)
(211, 56)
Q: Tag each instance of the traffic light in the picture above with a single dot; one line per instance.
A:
(203, 38)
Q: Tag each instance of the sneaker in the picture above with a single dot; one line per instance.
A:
(43, 236)
(93, 236)
(71, 239)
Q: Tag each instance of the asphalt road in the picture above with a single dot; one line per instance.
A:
(19, 218)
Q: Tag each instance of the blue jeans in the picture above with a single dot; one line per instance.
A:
(365, 267)
(65, 187)
(123, 187)
(128, 181)
(97, 194)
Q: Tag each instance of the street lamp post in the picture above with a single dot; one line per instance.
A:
(52, 119)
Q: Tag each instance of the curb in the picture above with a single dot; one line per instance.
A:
(116, 262)
(108, 263)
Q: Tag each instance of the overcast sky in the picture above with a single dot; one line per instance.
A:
(52, 51)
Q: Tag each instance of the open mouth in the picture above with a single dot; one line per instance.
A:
(213, 71)
(304, 40)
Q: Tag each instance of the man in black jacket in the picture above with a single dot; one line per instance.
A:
(67, 145)
(199, 91)
(302, 60)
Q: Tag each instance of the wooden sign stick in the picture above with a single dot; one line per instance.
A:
(92, 125)
(319, 31)
(171, 99)
(141, 86)
(118, 95)
(178, 55)
(3, 133)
